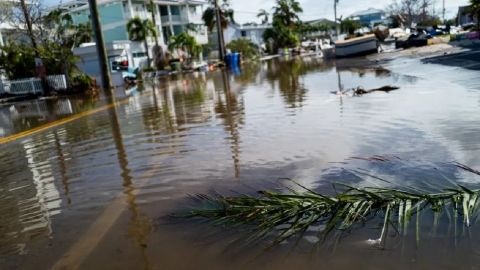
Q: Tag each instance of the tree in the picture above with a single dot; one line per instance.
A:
(286, 13)
(286, 25)
(226, 15)
(475, 11)
(245, 47)
(59, 28)
(264, 15)
(411, 11)
(185, 42)
(349, 26)
(139, 30)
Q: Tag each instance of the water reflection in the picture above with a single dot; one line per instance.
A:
(24, 115)
(194, 132)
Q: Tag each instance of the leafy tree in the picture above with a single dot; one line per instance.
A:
(139, 30)
(59, 28)
(349, 26)
(226, 15)
(264, 15)
(410, 11)
(17, 60)
(244, 47)
(475, 11)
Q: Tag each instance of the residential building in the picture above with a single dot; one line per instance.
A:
(465, 17)
(10, 29)
(172, 17)
(328, 24)
(370, 17)
(252, 32)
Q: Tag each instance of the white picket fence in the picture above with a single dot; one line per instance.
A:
(32, 86)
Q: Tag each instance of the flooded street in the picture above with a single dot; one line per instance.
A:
(93, 191)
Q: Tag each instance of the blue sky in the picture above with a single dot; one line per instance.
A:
(245, 10)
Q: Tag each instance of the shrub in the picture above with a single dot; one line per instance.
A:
(245, 47)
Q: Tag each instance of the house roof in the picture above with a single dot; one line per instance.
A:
(250, 26)
(317, 21)
(367, 12)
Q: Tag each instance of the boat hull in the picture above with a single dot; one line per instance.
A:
(357, 46)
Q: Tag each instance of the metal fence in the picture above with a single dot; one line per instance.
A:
(32, 86)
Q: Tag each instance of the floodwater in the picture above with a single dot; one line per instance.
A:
(93, 192)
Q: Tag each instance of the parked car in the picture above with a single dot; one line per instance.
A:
(414, 40)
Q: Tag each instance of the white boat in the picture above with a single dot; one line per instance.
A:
(356, 46)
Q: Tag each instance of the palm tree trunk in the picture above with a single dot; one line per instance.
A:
(148, 54)
(152, 6)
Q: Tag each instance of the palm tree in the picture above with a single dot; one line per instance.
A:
(263, 13)
(185, 42)
(286, 12)
(139, 30)
(226, 15)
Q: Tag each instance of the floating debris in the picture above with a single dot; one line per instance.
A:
(293, 213)
(359, 91)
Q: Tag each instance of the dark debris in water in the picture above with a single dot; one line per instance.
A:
(359, 91)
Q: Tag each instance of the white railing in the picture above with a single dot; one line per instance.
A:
(32, 86)
(57, 82)
(24, 87)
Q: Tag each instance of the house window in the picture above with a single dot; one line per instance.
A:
(175, 10)
(139, 54)
(166, 34)
(163, 11)
(243, 33)
(177, 29)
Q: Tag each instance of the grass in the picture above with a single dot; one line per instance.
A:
(285, 215)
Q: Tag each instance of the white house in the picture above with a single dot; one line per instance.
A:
(9, 28)
(252, 32)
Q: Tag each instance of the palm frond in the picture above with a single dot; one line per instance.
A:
(285, 215)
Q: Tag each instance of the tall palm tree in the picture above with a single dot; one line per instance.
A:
(286, 12)
(264, 15)
(140, 30)
(226, 15)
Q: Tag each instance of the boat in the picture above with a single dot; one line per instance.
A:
(356, 46)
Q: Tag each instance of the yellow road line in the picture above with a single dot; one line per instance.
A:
(57, 123)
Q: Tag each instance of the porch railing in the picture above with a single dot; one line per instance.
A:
(32, 86)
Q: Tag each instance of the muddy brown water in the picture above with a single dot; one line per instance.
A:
(93, 193)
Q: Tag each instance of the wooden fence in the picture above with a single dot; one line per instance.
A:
(32, 86)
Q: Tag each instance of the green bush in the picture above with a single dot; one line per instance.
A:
(245, 47)
(17, 60)
(82, 82)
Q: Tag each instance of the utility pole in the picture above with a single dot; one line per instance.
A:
(337, 28)
(443, 11)
(101, 52)
(221, 42)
